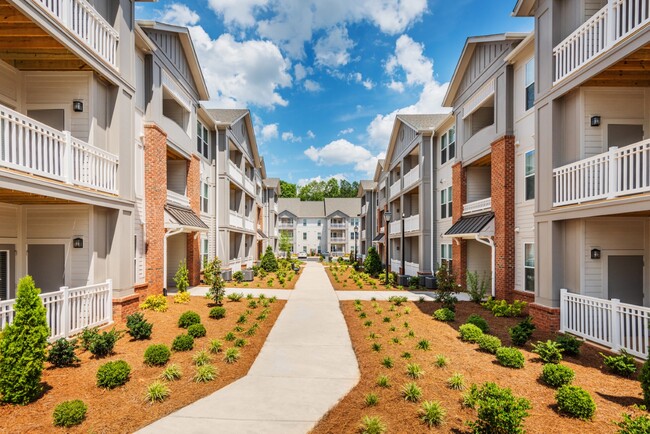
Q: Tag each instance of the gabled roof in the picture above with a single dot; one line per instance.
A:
(229, 117)
(366, 185)
(351, 207)
(466, 57)
(379, 169)
(273, 183)
(419, 123)
(308, 209)
(524, 8)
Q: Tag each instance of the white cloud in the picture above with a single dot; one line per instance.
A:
(342, 152)
(333, 50)
(397, 86)
(288, 136)
(409, 57)
(311, 135)
(179, 14)
(312, 86)
(269, 132)
(368, 84)
(304, 181)
(300, 71)
(237, 12)
(346, 131)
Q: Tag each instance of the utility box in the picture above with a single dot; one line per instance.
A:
(430, 282)
(402, 280)
(423, 280)
(226, 275)
(248, 275)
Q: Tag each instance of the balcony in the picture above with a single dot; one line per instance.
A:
(177, 199)
(600, 33)
(619, 172)
(235, 220)
(478, 206)
(29, 146)
(286, 225)
(411, 177)
(249, 186)
(395, 189)
(234, 173)
(338, 240)
(395, 227)
(412, 224)
(249, 225)
(364, 209)
(86, 25)
(338, 226)
(363, 234)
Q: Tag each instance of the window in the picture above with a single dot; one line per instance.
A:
(204, 250)
(204, 197)
(319, 235)
(448, 146)
(351, 235)
(529, 267)
(529, 175)
(202, 140)
(318, 222)
(446, 198)
(529, 84)
(304, 235)
(446, 255)
(304, 222)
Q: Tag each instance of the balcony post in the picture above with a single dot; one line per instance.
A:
(612, 169)
(610, 23)
(615, 327)
(68, 169)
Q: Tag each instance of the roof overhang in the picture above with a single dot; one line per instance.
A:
(183, 220)
(379, 239)
(524, 8)
(469, 227)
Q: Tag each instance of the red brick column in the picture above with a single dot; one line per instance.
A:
(503, 205)
(545, 318)
(155, 181)
(194, 195)
(459, 250)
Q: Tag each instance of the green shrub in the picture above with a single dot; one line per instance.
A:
(479, 322)
(411, 392)
(217, 312)
(201, 358)
(383, 381)
(235, 296)
(503, 308)
(231, 355)
(230, 336)
(456, 381)
(575, 402)
(469, 333)
(376, 346)
(138, 326)
(215, 346)
(157, 355)
(644, 378)
(570, 344)
(549, 351)
(205, 373)
(499, 411)
(424, 345)
(157, 392)
(441, 361)
(476, 287)
(22, 346)
(196, 330)
(398, 300)
(69, 413)
(238, 276)
(269, 263)
(557, 375)
(188, 318)
(240, 343)
(510, 357)
(387, 362)
(371, 400)
(489, 343)
(182, 277)
(414, 371)
(633, 425)
(444, 314)
(432, 413)
(372, 263)
(372, 425)
(522, 332)
(62, 353)
(446, 288)
(113, 374)
(183, 343)
(172, 373)
(87, 336)
(103, 343)
(622, 364)
(157, 303)
(217, 285)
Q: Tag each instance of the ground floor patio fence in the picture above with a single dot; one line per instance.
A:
(70, 310)
(616, 325)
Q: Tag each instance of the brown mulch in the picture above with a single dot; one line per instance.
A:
(123, 410)
(342, 285)
(258, 282)
(613, 395)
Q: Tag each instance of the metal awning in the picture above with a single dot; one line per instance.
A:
(261, 235)
(183, 219)
(471, 226)
(378, 239)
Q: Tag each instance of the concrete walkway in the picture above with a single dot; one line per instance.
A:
(305, 367)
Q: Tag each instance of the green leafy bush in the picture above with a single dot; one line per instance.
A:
(622, 364)
(231, 355)
(205, 373)
(372, 263)
(157, 392)
(499, 411)
(444, 314)
(269, 263)
(69, 413)
(217, 312)
(238, 276)
(549, 351)
(182, 277)
(217, 289)
(479, 322)
(469, 333)
(235, 296)
(489, 343)
(411, 392)
(62, 353)
(510, 357)
(113, 374)
(575, 402)
(87, 336)
(103, 343)
(476, 287)
(189, 318)
(157, 303)
(172, 373)
(634, 425)
(196, 330)
(503, 308)
(557, 375)
(432, 413)
(522, 332)
(570, 344)
(372, 425)
(138, 326)
(157, 355)
(22, 346)
(183, 343)
(644, 378)
(371, 400)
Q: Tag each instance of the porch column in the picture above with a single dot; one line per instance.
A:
(193, 240)
(459, 198)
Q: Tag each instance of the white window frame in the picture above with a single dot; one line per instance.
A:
(446, 202)
(529, 175)
(202, 139)
(204, 250)
(448, 146)
(528, 82)
(446, 254)
(529, 267)
(205, 197)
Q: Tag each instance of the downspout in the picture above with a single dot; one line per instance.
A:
(167, 235)
(490, 242)
(216, 193)
(433, 185)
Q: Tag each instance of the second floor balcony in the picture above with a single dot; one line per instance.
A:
(411, 177)
(395, 188)
(477, 206)
(286, 224)
(337, 225)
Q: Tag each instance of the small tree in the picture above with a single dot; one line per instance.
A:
(23, 345)
(218, 286)
(269, 263)
(285, 244)
(182, 277)
(446, 287)
(372, 264)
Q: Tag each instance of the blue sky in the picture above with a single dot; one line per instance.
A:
(324, 78)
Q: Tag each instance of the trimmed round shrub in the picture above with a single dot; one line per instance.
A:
(489, 343)
(622, 364)
(183, 343)
(522, 332)
(157, 355)
(61, 353)
(510, 357)
(69, 413)
(188, 318)
(444, 314)
(469, 333)
(557, 375)
(576, 402)
(498, 410)
(479, 322)
(113, 374)
(218, 312)
(196, 330)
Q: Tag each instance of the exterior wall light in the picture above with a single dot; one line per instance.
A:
(595, 253)
(78, 106)
(595, 121)
(78, 243)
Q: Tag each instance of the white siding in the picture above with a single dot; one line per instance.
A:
(176, 252)
(312, 230)
(10, 79)
(479, 258)
(478, 183)
(9, 219)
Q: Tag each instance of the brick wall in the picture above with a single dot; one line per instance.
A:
(503, 205)
(459, 250)
(155, 182)
(125, 306)
(545, 318)
(194, 195)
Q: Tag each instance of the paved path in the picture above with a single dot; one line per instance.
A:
(304, 368)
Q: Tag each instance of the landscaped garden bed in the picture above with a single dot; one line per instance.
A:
(270, 273)
(125, 408)
(383, 333)
(343, 277)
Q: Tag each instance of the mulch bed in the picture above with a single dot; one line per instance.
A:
(613, 395)
(124, 410)
(342, 285)
(257, 282)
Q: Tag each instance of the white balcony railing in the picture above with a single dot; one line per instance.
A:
(395, 189)
(276, 233)
(619, 172)
(249, 225)
(395, 265)
(29, 146)
(248, 262)
(178, 199)
(236, 220)
(411, 268)
(235, 173)
(338, 240)
(363, 234)
(235, 264)
(412, 177)
(611, 24)
(395, 227)
(249, 186)
(616, 325)
(286, 225)
(338, 226)
(364, 209)
(87, 25)
(412, 224)
(478, 206)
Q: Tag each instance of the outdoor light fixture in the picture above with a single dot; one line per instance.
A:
(595, 121)
(78, 105)
(595, 254)
(78, 243)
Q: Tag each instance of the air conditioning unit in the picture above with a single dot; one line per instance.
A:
(430, 282)
(248, 275)
(403, 280)
(226, 275)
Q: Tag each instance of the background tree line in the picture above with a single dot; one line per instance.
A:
(319, 190)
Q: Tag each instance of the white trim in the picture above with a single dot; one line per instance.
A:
(479, 97)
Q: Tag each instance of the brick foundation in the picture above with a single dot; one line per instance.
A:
(545, 318)
(125, 306)
(194, 195)
(141, 290)
(459, 248)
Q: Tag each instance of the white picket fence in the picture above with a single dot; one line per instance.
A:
(616, 325)
(70, 310)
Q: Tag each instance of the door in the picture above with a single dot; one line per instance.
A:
(625, 278)
(4, 274)
(54, 118)
(623, 134)
(46, 265)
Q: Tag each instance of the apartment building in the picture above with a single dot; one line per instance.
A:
(368, 218)
(269, 230)
(592, 213)
(326, 227)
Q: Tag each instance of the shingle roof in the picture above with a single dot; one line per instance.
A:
(272, 182)
(368, 185)
(423, 122)
(470, 224)
(301, 209)
(227, 116)
(185, 217)
(348, 206)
